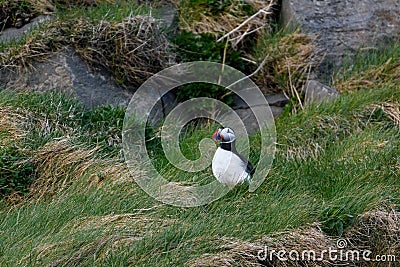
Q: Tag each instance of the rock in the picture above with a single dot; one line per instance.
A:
(168, 15)
(65, 71)
(16, 34)
(344, 26)
(276, 103)
(161, 109)
(277, 100)
(316, 92)
(249, 120)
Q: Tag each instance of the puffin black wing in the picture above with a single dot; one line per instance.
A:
(249, 168)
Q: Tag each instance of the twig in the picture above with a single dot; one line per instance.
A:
(241, 37)
(265, 11)
(248, 60)
(248, 76)
(294, 91)
(223, 62)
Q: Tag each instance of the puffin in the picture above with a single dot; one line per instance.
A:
(228, 166)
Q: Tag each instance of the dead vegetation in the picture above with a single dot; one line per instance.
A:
(377, 231)
(15, 168)
(118, 231)
(369, 78)
(15, 14)
(50, 6)
(289, 62)
(37, 46)
(133, 49)
(282, 63)
(230, 20)
(11, 125)
(391, 110)
(60, 163)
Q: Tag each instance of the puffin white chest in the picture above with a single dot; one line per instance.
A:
(228, 168)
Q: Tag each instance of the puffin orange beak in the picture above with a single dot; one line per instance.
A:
(215, 136)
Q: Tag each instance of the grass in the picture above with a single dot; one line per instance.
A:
(112, 11)
(88, 30)
(211, 16)
(289, 57)
(334, 162)
(73, 202)
(371, 67)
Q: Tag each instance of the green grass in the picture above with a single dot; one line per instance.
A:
(354, 169)
(65, 115)
(333, 162)
(112, 12)
(370, 58)
(16, 171)
(370, 68)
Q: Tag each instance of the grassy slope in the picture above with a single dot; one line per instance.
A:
(333, 162)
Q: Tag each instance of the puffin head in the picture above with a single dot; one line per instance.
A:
(224, 135)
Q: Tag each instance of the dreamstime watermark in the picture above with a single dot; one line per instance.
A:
(339, 253)
(148, 96)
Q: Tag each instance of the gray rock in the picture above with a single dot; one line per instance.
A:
(249, 120)
(277, 100)
(276, 103)
(14, 34)
(159, 112)
(344, 26)
(168, 15)
(65, 71)
(316, 92)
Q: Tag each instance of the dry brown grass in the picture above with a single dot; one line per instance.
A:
(133, 49)
(288, 64)
(37, 46)
(16, 13)
(232, 23)
(121, 230)
(44, 7)
(60, 163)
(14, 127)
(11, 125)
(392, 110)
(378, 231)
(369, 78)
(50, 6)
